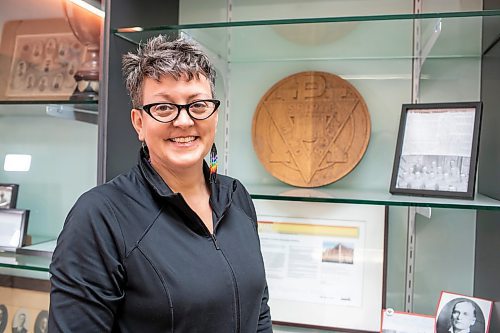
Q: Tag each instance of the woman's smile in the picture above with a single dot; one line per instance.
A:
(184, 139)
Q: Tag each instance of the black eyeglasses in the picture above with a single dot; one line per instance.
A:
(167, 112)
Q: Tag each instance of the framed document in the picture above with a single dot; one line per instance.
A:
(325, 263)
(13, 227)
(457, 312)
(405, 322)
(437, 147)
(8, 195)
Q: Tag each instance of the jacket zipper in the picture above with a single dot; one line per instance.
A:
(236, 295)
(214, 240)
(233, 276)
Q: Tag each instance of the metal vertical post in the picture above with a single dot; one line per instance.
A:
(410, 260)
(229, 17)
(411, 235)
(417, 53)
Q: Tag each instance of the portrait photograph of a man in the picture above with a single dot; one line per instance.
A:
(8, 195)
(462, 314)
(4, 316)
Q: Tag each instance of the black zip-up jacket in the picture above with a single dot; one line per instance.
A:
(134, 257)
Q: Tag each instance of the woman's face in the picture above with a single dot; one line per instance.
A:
(183, 143)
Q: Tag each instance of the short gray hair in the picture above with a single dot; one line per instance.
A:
(160, 56)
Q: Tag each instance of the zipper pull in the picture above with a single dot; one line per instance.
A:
(215, 242)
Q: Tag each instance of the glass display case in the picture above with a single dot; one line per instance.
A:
(393, 52)
(39, 120)
(399, 52)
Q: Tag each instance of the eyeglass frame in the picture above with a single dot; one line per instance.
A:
(147, 108)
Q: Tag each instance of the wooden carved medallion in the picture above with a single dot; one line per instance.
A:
(311, 129)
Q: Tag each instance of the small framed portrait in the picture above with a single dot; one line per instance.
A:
(20, 322)
(13, 227)
(8, 195)
(41, 322)
(4, 317)
(460, 313)
(437, 149)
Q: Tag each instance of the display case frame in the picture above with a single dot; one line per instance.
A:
(118, 145)
(59, 135)
(423, 75)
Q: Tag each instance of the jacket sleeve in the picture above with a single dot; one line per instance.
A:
(87, 274)
(265, 324)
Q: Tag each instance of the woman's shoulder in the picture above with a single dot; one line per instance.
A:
(111, 192)
(239, 195)
(231, 184)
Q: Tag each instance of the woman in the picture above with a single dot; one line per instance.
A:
(169, 246)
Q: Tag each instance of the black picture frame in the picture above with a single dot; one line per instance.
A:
(13, 228)
(8, 195)
(437, 149)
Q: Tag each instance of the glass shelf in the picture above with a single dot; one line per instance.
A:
(82, 111)
(40, 262)
(288, 193)
(26, 262)
(330, 38)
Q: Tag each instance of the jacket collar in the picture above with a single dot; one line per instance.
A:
(221, 191)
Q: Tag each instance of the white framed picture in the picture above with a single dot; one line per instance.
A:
(406, 322)
(325, 263)
(13, 227)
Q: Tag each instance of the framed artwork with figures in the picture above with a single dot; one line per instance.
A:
(40, 59)
(24, 304)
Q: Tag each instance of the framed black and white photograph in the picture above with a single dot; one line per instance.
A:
(4, 317)
(437, 149)
(41, 322)
(13, 227)
(325, 263)
(460, 313)
(8, 195)
(20, 322)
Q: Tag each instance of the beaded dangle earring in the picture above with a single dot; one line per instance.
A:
(213, 163)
